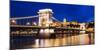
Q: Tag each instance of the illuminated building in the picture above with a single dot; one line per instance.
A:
(64, 22)
(82, 26)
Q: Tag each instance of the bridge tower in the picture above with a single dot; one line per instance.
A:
(45, 17)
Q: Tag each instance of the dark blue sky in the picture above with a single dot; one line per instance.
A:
(80, 13)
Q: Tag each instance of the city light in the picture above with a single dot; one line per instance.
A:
(28, 23)
(34, 23)
(13, 21)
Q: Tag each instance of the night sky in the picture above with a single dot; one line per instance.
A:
(79, 13)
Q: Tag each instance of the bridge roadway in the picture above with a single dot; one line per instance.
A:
(26, 31)
(38, 27)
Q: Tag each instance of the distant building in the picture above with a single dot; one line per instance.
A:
(64, 22)
(82, 26)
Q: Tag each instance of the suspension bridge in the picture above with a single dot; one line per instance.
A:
(29, 20)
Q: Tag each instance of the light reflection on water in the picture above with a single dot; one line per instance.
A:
(60, 41)
(74, 40)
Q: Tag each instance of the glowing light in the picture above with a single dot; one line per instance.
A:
(64, 20)
(41, 31)
(34, 23)
(46, 30)
(51, 30)
(28, 23)
(13, 21)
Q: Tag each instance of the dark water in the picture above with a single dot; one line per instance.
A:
(19, 42)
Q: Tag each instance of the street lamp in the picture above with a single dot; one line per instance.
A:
(28, 23)
(34, 23)
(13, 22)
